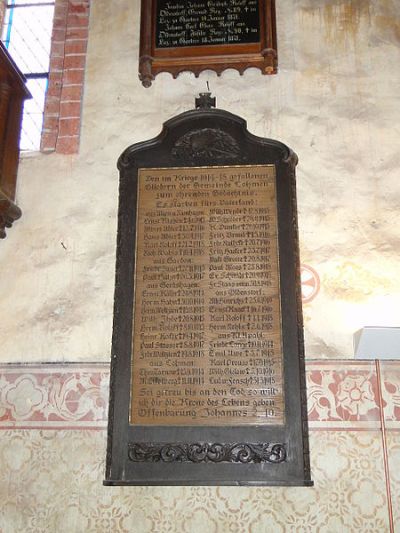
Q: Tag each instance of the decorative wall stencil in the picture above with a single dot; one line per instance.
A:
(393, 448)
(345, 397)
(340, 394)
(310, 283)
(32, 397)
(52, 480)
(390, 373)
(347, 468)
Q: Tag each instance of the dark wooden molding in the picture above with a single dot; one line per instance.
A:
(204, 452)
(259, 53)
(9, 213)
(210, 454)
(13, 92)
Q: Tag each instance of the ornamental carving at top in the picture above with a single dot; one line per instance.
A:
(206, 145)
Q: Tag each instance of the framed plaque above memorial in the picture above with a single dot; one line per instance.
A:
(185, 35)
(207, 374)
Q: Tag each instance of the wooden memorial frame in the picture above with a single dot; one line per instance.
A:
(206, 37)
(207, 371)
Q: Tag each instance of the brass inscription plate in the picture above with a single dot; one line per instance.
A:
(207, 341)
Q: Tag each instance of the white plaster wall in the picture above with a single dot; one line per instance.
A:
(335, 102)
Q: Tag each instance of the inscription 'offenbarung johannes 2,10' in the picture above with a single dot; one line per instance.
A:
(207, 341)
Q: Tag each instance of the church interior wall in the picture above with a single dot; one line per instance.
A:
(334, 101)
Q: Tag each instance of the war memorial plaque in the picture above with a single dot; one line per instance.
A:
(207, 343)
(178, 35)
(207, 375)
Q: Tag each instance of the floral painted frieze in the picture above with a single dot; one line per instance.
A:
(344, 394)
(341, 394)
(390, 373)
(45, 396)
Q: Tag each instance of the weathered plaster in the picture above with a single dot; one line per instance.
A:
(334, 101)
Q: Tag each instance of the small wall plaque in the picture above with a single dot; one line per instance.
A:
(207, 377)
(178, 35)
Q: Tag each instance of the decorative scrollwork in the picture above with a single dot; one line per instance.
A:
(203, 452)
(205, 146)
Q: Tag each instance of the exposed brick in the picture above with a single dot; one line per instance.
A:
(61, 125)
(69, 126)
(73, 76)
(2, 11)
(70, 109)
(77, 33)
(77, 21)
(60, 23)
(52, 116)
(52, 105)
(73, 92)
(56, 77)
(73, 14)
(50, 124)
(60, 9)
(48, 143)
(75, 47)
(56, 114)
(75, 61)
(59, 19)
(57, 49)
(78, 7)
(54, 90)
(67, 145)
(49, 138)
(56, 63)
(58, 34)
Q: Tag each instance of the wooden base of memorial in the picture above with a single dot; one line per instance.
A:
(207, 371)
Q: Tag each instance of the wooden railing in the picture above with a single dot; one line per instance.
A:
(13, 92)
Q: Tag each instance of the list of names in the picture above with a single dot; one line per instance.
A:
(207, 341)
(206, 22)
